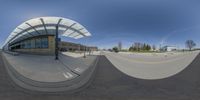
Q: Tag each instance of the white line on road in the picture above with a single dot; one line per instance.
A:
(78, 69)
(67, 75)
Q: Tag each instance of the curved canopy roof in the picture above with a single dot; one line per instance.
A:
(47, 26)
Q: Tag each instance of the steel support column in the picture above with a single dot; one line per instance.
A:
(56, 44)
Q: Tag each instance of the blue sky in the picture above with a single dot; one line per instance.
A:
(110, 21)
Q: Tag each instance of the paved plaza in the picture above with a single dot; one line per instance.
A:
(37, 72)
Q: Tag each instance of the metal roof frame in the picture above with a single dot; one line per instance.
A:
(47, 22)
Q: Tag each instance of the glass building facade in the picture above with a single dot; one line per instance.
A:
(33, 43)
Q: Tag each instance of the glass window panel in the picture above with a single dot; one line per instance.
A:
(28, 44)
(62, 28)
(17, 30)
(87, 34)
(24, 26)
(51, 27)
(83, 31)
(38, 43)
(77, 26)
(42, 31)
(34, 22)
(67, 22)
(31, 31)
(79, 36)
(67, 32)
(32, 43)
(40, 28)
(73, 34)
(44, 42)
(51, 31)
(25, 33)
(22, 45)
(50, 20)
(60, 32)
(25, 44)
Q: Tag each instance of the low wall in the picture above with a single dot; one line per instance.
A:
(37, 51)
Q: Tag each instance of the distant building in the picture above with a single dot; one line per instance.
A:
(69, 46)
(120, 46)
(93, 48)
(169, 48)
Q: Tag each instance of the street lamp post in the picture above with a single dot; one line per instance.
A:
(84, 52)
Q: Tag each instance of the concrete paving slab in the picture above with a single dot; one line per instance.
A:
(40, 68)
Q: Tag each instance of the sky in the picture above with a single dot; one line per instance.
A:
(156, 22)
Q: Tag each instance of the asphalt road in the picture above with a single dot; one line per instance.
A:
(111, 84)
(151, 66)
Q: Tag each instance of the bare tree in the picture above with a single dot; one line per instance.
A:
(190, 44)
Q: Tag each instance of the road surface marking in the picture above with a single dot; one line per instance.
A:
(78, 70)
(67, 75)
